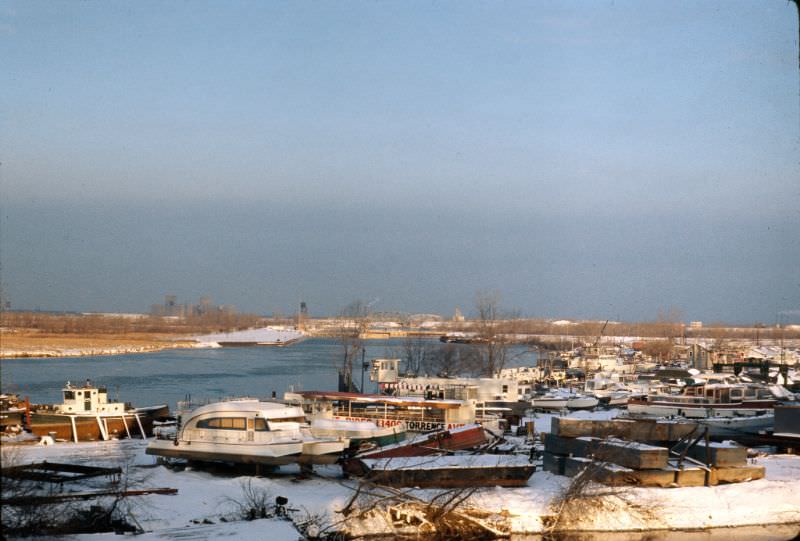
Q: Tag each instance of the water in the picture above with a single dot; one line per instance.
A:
(168, 376)
(772, 532)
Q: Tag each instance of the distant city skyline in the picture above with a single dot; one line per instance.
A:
(585, 160)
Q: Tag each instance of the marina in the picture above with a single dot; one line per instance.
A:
(459, 433)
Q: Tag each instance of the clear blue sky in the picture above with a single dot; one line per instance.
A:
(584, 159)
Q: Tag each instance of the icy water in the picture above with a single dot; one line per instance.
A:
(773, 532)
(170, 375)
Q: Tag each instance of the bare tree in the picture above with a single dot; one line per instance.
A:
(453, 359)
(353, 322)
(494, 332)
(417, 353)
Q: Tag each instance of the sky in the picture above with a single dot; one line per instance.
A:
(582, 159)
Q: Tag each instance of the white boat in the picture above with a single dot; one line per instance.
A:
(358, 432)
(731, 427)
(610, 392)
(248, 432)
(564, 399)
(704, 399)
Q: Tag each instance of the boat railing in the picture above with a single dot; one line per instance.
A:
(395, 415)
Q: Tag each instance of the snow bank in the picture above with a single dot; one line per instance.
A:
(206, 496)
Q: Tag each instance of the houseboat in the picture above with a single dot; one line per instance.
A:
(411, 413)
(248, 432)
(85, 414)
(493, 396)
(706, 398)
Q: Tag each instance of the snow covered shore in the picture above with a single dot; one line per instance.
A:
(205, 499)
(88, 352)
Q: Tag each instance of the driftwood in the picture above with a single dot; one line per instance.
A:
(53, 472)
(73, 496)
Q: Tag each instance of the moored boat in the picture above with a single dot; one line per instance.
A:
(85, 414)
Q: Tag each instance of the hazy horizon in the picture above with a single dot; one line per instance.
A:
(585, 160)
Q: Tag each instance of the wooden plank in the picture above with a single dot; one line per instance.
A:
(629, 429)
(573, 465)
(560, 445)
(553, 463)
(737, 474)
(629, 454)
(615, 475)
(721, 455)
(72, 496)
(637, 456)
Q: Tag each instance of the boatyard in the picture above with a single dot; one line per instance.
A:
(517, 451)
(377, 271)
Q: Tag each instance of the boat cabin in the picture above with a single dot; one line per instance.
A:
(87, 399)
(416, 413)
(241, 420)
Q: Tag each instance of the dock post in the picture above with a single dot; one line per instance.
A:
(141, 428)
(708, 459)
(74, 428)
(103, 433)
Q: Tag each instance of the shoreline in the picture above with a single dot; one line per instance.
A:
(48, 353)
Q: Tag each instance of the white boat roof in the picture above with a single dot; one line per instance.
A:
(268, 410)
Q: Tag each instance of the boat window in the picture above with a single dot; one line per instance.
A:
(289, 420)
(261, 425)
(80, 393)
(222, 423)
(69, 395)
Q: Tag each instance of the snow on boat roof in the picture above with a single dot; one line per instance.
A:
(268, 410)
(383, 399)
(440, 462)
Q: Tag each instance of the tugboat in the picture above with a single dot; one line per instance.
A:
(248, 432)
(86, 415)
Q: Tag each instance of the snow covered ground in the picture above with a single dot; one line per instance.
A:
(204, 499)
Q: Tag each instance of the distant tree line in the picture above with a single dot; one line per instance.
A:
(106, 324)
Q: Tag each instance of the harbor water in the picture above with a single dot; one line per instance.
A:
(168, 376)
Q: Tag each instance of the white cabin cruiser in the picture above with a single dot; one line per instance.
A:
(563, 399)
(248, 432)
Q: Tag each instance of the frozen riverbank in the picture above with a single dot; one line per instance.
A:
(206, 499)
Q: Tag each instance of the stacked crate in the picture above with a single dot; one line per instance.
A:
(632, 452)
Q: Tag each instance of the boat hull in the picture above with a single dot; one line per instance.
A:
(450, 472)
(701, 411)
(358, 433)
(573, 403)
(549, 403)
(269, 454)
(88, 428)
(733, 427)
(432, 444)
